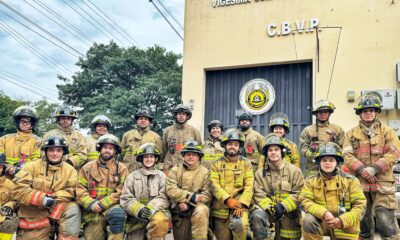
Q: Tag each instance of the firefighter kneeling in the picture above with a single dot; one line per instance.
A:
(8, 218)
(99, 189)
(333, 201)
(276, 188)
(188, 188)
(144, 198)
(45, 191)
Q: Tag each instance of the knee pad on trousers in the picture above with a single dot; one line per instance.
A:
(9, 225)
(71, 224)
(259, 224)
(311, 224)
(116, 220)
(235, 224)
(386, 222)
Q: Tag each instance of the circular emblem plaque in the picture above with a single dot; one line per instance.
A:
(257, 96)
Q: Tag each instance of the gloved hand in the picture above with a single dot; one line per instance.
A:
(368, 174)
(6, 211)
(370, 170)
(279, 211)
(48, 202)
(95, 207)
(145, 214)
(233, 203)
(238, 212)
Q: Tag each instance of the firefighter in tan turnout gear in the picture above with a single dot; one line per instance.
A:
(370, 153)
(176, 135)
(8, 216)
(254, 141)
(45, 191)
(333, 201)
(232, 181)
(23, 146)
(144, 199)
(276, 190)
(279, 125)
(321, 132)
(133, 139)
(188, 188)
(212, 146)
(65, 116)
(99, 126)
(98, 191)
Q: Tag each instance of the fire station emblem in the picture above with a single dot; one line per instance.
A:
(257, 96)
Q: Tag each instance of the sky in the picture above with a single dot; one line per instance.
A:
(24, 73)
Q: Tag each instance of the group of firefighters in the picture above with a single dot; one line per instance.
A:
(238, 184)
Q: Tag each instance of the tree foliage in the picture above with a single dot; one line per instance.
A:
(7, 107)
(45, 112)
(43, 108)
(115, 81)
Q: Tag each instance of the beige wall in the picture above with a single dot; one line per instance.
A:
(235, 36)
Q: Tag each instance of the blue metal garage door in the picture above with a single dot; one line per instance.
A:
(293, 88)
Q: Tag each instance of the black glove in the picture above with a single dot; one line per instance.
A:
(17, 168)
(49, 202)
(193, 198)
(279, 211)
(6, 211)
(145, 215)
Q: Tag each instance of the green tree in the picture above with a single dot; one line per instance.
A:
(7, 108)
(115, 81)
(45, 112)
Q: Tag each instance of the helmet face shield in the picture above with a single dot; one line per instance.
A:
(279, 119)
(370, 100)
(182, 108)
(55, 141)
(323, 105)
(192, 146)
(233, 134)
(215, 123)
(65, 111)
(144, 112)
(146, 149)
(28, 112)
(273, 139)
(329, 149)
(100, 119)
(110, 139)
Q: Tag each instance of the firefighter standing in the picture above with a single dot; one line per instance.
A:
(370, 153)
(276, 190)
(176, 135)
(232, 181)
(321, 132)
(23, 146)
(98, 191)
(45, 191)
(8, 216)
(212, 146)
(333, 201)
(188, 188)
(99, 126)
(65, 116)
(133, 139)
(144, 198)
(254, 141)
(279, 125)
